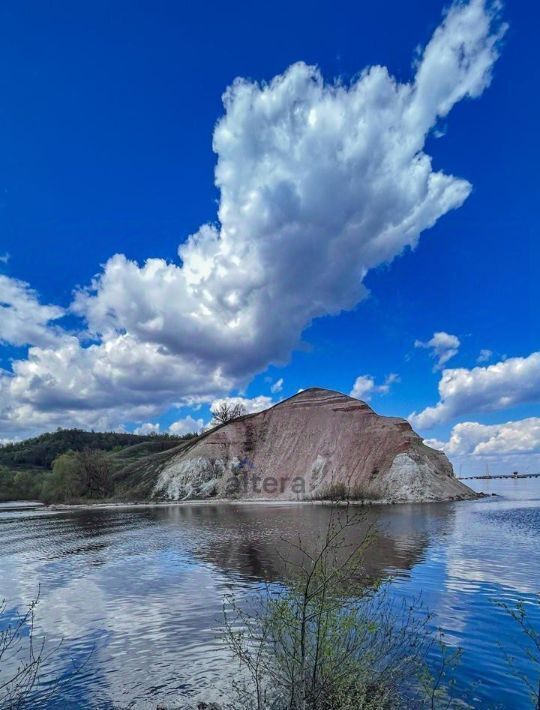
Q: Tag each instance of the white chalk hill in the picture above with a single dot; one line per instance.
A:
(317, 444)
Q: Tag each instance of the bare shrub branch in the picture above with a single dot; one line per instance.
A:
(224, 412)
(23, 657)
(331, 638)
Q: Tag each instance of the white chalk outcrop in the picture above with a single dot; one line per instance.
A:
(314, 444)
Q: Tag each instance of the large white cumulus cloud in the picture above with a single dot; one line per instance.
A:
(510, 446)
(318, 184)
(23, 319)
(515, 437)
(100, 385)
(482, 389)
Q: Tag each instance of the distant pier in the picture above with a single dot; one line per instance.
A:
(504, 475)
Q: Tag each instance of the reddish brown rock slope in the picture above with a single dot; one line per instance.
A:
(302, 447)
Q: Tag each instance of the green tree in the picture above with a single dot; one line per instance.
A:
(25, 485)
(78, 474)
(96, 473)
(6, 484)
(65, 480)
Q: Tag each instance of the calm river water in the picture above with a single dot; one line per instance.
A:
(139, 592)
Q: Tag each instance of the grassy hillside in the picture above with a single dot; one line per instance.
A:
(137, 467)
(42, 450)
(125, 463)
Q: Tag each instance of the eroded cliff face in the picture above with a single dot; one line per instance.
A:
(314, 443)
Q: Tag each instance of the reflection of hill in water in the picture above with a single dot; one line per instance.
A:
(251, 540)
(242, 539)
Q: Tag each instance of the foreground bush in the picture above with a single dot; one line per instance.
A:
(331, 640)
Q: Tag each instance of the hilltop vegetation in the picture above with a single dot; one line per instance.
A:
(71, 464)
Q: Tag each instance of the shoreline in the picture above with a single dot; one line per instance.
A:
(495, 478)
(272, 502)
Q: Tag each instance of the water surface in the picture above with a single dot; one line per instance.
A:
(138, 592)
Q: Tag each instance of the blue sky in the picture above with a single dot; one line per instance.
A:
(108, 113)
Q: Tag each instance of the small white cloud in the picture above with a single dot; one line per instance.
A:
(364, 386)
(4, 258)
(251, 405)
(5, 442)
(502, 385)
(484, 356)
(147, 428)
(187, 425)
(277, 386)
(443, 346)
